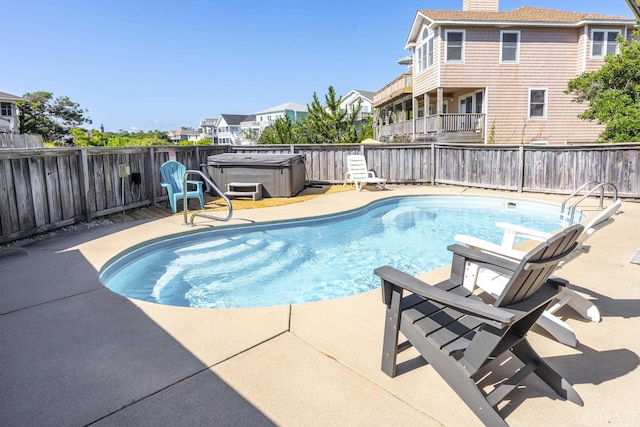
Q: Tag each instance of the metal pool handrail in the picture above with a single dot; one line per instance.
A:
(599, 186)
(217, 190)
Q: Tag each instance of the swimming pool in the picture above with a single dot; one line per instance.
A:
(290, 262)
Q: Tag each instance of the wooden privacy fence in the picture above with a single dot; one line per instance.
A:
(45, 189)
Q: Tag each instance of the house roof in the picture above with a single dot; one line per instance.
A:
(184, 132)
(521, 14)
(366, 93)
(284, 107)
(8, 97)
(234, 119)
(524, 16)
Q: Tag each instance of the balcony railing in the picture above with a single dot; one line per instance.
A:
(400, 86)
(468, 122)
(400, 129)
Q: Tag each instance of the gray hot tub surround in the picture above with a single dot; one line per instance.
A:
(281, 175)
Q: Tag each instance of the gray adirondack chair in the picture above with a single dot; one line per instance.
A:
(458, 334)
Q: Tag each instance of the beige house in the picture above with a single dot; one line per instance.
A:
(179, 135)
(481, 75)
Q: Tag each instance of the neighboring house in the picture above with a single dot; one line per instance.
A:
(480, 75)
(209, 129)
(252, 127)
(350, 102)
(229, 131)
(291, 109)
(8, 121)
(179, 135)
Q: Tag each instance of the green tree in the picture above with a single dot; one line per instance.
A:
(328, 123)
(92, 138)
(41, 114)
(367, 129)
(281, 132)
(613, 93)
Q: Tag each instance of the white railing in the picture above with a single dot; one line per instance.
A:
(395, 129)
(469, 122)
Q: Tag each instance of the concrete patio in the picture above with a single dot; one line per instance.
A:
(74, 353)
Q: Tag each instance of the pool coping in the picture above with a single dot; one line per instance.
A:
(314, 363)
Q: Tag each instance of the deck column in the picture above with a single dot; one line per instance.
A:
(414, 108)
(439, 110)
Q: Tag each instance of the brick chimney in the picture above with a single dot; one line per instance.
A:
(480, 5)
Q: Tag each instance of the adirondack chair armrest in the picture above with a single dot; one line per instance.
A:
(474, 307)
(483, 245)
(168, 186)
(194, 182)
(527, 233)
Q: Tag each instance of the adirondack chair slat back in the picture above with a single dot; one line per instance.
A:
(173, 173)
(538, 265)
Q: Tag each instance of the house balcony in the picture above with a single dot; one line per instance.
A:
(468, 127)
(396, 89)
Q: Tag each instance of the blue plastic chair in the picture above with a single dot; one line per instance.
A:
(173, 180)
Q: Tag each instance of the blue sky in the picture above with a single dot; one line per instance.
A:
(144, 65)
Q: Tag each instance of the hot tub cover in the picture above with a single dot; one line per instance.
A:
(235, 159)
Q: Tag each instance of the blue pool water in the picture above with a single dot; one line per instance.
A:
(314, 259)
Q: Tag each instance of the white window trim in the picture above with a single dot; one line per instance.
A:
(605, 31)
(446, 47)
(517, 60)
(546, 103)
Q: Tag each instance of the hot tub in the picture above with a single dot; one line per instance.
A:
(281, 175)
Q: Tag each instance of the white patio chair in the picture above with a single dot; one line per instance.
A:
(493, 283)
(359, 174)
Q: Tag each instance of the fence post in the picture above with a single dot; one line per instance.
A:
(84, 183)
(152, 184)
(432, 165)
(520, 168)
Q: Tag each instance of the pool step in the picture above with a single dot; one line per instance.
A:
(244, 189)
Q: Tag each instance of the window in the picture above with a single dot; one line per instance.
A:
(455, 46)
(425, 52)
(422, 58)
(537, 103)
(510, 46)
(479, 96)
(6, 109)
(603, 42)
